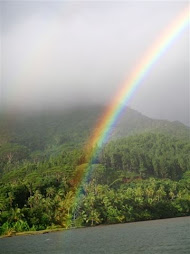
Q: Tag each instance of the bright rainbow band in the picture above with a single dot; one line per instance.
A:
(109, 118)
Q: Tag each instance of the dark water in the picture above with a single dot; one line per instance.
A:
(159, 236)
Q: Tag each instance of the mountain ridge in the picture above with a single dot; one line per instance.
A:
(76, 125)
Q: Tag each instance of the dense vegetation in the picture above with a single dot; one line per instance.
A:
(156, 155)
(139, 177)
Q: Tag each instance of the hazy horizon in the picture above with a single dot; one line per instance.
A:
(57, 55)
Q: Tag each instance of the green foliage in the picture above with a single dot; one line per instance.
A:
(148, 154)
(42, 164)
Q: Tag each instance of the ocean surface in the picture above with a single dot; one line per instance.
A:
(158, 236)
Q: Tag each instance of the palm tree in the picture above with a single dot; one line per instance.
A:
(11, 198)
(50, 192)
(15, 214)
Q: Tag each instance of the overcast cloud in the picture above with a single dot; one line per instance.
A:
(64, 53)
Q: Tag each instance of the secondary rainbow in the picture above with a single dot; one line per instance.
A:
(109, 118)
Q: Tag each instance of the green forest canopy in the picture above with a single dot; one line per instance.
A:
(145, 176)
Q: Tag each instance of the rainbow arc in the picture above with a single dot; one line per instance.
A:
(109, 118)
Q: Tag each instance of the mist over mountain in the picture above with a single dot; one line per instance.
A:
(64, 53)
(46, 129)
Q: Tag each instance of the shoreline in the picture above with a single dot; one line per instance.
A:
(47, 231)
(39, 232)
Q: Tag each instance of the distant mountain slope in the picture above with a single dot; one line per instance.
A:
(134, 122)
(42, 129)
(50, 130)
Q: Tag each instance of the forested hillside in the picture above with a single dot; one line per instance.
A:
(40, 135)
(142, 173)
(150, 154)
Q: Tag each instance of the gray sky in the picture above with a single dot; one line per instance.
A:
(64, 53)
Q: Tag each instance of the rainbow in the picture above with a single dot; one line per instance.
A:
(105, 125)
